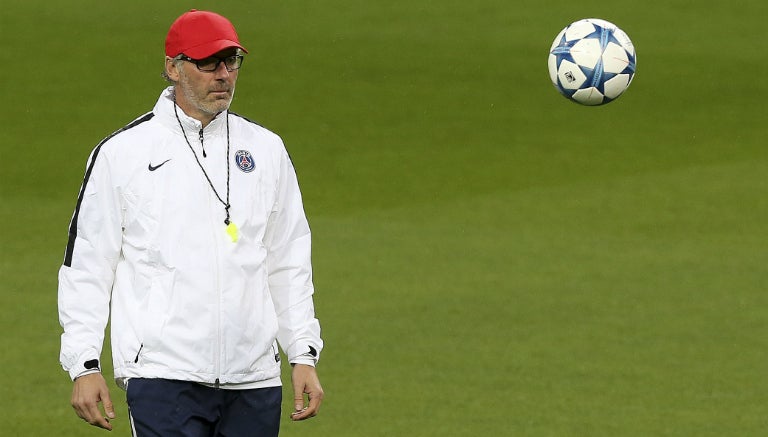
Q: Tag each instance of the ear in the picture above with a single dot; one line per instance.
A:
(171, 70)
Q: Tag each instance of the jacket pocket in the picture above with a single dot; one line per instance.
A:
(159, 301)
(138, 354)
(276, 351)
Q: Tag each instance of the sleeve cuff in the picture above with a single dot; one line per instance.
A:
(309, 358)
(84, 366)
(304, 361)
(87, 372)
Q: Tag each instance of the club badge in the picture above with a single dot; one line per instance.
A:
(244, 161)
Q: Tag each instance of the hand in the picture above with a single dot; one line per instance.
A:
(87, 393)
(305, 380)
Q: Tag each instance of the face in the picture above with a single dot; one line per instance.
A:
(203, 94)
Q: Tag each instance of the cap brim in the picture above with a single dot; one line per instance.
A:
(211, 48)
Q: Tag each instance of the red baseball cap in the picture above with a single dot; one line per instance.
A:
(200, 34)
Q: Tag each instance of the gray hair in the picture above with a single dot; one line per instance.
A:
(177, 62)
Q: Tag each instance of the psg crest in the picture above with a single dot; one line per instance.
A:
(244, 161)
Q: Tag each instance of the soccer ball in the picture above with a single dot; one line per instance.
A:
(592, 62)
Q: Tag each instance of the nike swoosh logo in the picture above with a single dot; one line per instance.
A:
(155, 167)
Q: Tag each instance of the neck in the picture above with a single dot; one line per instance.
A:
(190, 110)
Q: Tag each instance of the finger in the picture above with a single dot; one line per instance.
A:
(298, 404)
(103, 422)
(314, 404)
(82, 407)
(95, 418)
(298, 398)
(302, 414)
(80, 413)
(299, 409)
(88, 410)
(109, 408)
(309, 411)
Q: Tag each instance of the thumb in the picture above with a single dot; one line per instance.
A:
(298, 402)
(298, 397)
(109, 408)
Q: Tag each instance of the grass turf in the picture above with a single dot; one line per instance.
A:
(490, 259)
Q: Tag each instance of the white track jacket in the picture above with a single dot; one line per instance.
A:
(148, 237)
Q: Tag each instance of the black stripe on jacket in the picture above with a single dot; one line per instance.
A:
(73, 224)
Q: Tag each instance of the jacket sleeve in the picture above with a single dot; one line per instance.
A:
(289, 264)
(87, 274)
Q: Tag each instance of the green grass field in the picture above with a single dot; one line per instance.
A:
(490, 259)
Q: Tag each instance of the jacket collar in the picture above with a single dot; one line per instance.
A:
(165, 112)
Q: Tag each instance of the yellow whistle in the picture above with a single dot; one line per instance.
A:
(232, 232)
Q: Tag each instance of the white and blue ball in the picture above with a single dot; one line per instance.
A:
(592, 62)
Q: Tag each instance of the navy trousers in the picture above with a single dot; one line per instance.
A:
(167, 408)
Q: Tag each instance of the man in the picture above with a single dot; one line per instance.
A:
(190, 224)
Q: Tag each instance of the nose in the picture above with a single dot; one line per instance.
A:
(221, 71)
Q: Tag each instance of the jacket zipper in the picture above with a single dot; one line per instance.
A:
(218, 346)
(202, 143)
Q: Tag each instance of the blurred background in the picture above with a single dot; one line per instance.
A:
(490, 258)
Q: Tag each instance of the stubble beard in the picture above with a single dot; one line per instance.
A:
(198, 100)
